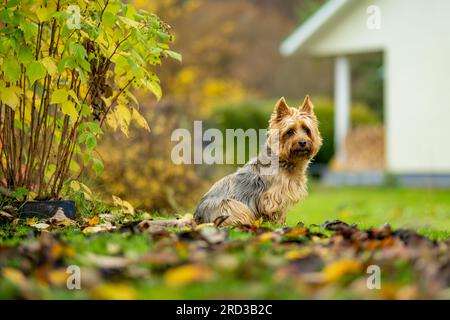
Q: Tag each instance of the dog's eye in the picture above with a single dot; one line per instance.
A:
(307, 131)
(290, 132)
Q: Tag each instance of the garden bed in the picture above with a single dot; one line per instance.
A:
(132, 260)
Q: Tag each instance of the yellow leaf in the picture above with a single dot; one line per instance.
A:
(258, 223)
(187, 274)
(69, 109)
(123, 114)
(75, 185)
(140, 120)
(153, 87)
(94, 221)
(266, 237)
(112, 121)
(85, 188)
(58, 277)
(338, 269)
(298, 253)
(15, 276)
(43, 14)
(126, 207)
(59, 96)
(50, 65)
(78, 186)
(114, 291)
(31, 221)
(9, 97)
(299, 231)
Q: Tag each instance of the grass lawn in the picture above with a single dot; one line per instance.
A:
(258, 262)
(425, 210)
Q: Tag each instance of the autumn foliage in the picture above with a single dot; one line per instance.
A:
(67, 71)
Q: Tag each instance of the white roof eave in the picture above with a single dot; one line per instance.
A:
(311, 26)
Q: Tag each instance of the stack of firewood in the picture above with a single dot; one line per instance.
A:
(365, 149)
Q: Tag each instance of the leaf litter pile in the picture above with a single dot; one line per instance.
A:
(177, 259)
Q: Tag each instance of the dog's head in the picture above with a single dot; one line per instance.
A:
(295, 130)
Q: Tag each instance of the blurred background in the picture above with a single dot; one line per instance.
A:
(239, 57)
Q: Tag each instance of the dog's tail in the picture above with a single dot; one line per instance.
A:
(227, 212)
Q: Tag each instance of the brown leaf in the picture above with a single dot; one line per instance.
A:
(296, 232)
(159, 225)
(108, 262)
(5, 215)
(60, 219)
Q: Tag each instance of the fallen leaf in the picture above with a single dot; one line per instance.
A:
(187, 274)
(267, 237)
(99, 228)
(60, 219)
(114, 291)
(213, 235)
(58, 277)
(15, 276)
(336, 270)
(40, 226)
(107, 262)
(226, 262)
(5, 215)
(93, 221)
(296, 232)
(298, 253)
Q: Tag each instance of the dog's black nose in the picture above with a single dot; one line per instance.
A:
(302, 143)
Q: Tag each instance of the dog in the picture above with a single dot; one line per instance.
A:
(247, 195)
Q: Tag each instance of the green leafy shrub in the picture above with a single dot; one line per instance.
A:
(67, 70)
(255, 114)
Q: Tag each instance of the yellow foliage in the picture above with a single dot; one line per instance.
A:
(219, 91)
(15, 276)
(298, 253)
(338, 269)
(187, 274)
(124, 206)
(114, 291)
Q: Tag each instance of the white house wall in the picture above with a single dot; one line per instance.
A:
(418, 88)
(415, 39)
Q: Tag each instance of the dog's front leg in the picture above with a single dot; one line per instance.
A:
(272, 207)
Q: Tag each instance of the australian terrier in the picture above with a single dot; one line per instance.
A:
(249, 194)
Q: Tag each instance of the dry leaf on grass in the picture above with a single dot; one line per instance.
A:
(338, 269)
(107, 226)
(93, 221)
(114, 291)
(5, 215)
(107, 262)
(187, 274)
(60, 219)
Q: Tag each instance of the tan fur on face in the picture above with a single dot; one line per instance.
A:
(302, 122)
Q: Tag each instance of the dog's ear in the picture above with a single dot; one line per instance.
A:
(281, 109)
(307, 105)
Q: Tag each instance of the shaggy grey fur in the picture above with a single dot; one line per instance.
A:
(245, 185)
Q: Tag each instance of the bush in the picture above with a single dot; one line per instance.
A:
(67, 69)
(255, 114)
